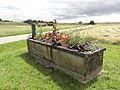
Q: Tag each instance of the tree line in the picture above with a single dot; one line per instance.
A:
(29, 21)
(49, 23)
(5, 20)
(90, 23)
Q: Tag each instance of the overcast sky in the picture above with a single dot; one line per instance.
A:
(62, 10)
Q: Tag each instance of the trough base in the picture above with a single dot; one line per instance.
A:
(50, 64)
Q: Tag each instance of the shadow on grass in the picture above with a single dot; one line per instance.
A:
(64, 81)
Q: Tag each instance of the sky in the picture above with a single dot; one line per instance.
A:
(62, 10)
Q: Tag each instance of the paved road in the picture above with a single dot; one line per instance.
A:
(9, 39)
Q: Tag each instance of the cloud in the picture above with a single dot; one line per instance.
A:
(10, 8)
(83, 8)
(59, 9)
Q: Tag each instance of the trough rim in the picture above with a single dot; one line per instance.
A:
(75, 52)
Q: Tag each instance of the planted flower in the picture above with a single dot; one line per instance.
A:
(75, 43)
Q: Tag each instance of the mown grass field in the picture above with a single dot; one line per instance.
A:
(19, 71)
(13, 28)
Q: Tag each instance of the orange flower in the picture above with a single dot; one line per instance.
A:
(47, 35)
(65, 38)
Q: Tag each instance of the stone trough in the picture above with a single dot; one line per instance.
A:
(82, 66)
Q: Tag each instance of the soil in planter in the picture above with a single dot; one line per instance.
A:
(84, 47)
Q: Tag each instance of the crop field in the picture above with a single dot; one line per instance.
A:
(102, 32)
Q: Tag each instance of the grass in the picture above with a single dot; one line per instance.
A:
(12, 28)
(19, 71)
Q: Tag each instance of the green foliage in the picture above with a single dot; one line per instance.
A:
(0, 19)
(92, 22)
(76, 39)
(80, 22)
(29, 21)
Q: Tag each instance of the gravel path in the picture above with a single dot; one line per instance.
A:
(9, 39)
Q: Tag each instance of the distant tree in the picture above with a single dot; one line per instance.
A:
(42, 21)
(38, 21)
(29, 21)
(6, 21)
(80, 22)
(0, 20)
(92, 22)
(35, 21)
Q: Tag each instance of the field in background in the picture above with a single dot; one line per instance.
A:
(104, 32)
(13, 28)
(12, 23)
(109, 31)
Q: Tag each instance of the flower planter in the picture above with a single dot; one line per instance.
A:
(82, 66)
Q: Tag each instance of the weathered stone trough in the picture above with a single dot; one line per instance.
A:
(82, 66)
